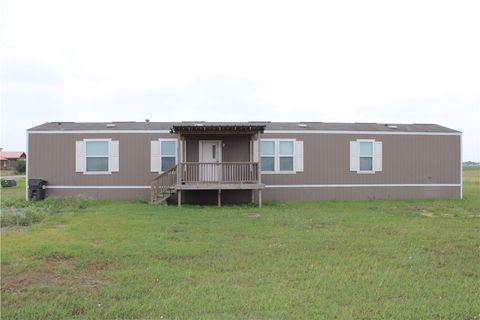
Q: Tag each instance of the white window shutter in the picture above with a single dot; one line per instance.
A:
(155, 156)
(299, 156)
(80, 156)
(255, 150)
(378, 156)
(354, 156)
(114, 159)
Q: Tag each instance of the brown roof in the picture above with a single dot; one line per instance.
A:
(296, 126)
(11, 154)
(212, 128)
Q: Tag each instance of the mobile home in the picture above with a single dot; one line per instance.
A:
(215, 163)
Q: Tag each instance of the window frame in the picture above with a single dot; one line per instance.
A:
(270, 156)
(292, 156)
(85, 171)
(167, 156)
(372, 141)
(276, 162)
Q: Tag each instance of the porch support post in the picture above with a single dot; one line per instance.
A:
(179, 158)
(252, 139)
(184, 149)
(179, 198)
(259, 170)
(219, 197)
(259, 198)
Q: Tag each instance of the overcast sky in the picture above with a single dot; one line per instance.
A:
(340, 61)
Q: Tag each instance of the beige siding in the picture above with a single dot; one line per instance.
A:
(407, 159)
(101, 194)
(360, 193)
(235, 147)
(52, 158)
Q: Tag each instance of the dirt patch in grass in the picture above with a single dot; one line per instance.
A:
(13, 229)
(58, 226)
(54, 272)
(253, 215)
(427, 214)
(42, 276)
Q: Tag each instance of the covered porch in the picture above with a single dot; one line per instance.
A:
(212, 157)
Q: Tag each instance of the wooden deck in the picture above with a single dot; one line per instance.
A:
(207, 176)
(220, 186)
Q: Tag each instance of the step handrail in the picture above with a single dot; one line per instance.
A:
(163, 183)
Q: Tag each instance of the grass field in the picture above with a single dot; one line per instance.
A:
(333, 260)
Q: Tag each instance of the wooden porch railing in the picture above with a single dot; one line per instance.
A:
(163, 184)
(218, 172)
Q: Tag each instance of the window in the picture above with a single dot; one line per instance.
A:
(168, 154)
(96, 155)
(277, 156)
(267, 154)
(366, 156)
(286, 155)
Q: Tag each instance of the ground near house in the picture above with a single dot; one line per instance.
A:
(335, 260)
(10, 173)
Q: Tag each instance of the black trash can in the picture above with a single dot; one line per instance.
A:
(36, 189)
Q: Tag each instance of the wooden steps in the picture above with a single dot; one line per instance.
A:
(164, 196)
(163, 186)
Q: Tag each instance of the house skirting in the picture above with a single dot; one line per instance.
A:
(360, 192)
(273, 192)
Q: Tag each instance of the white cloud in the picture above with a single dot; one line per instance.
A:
(409, 61)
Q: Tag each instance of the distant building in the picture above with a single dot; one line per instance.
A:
(9, 159)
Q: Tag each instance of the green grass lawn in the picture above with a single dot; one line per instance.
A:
(14, 194)
(297, 260)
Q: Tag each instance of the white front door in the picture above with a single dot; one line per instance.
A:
(210, 153)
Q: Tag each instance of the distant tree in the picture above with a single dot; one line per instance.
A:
(20, 166)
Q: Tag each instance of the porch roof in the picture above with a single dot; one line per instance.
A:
(217, 128)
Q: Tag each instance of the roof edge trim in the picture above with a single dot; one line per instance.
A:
(266, 131)
(424, 133)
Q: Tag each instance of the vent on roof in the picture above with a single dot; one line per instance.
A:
(111, 125)
(62, 122)
(391, 126)
(303, 125)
